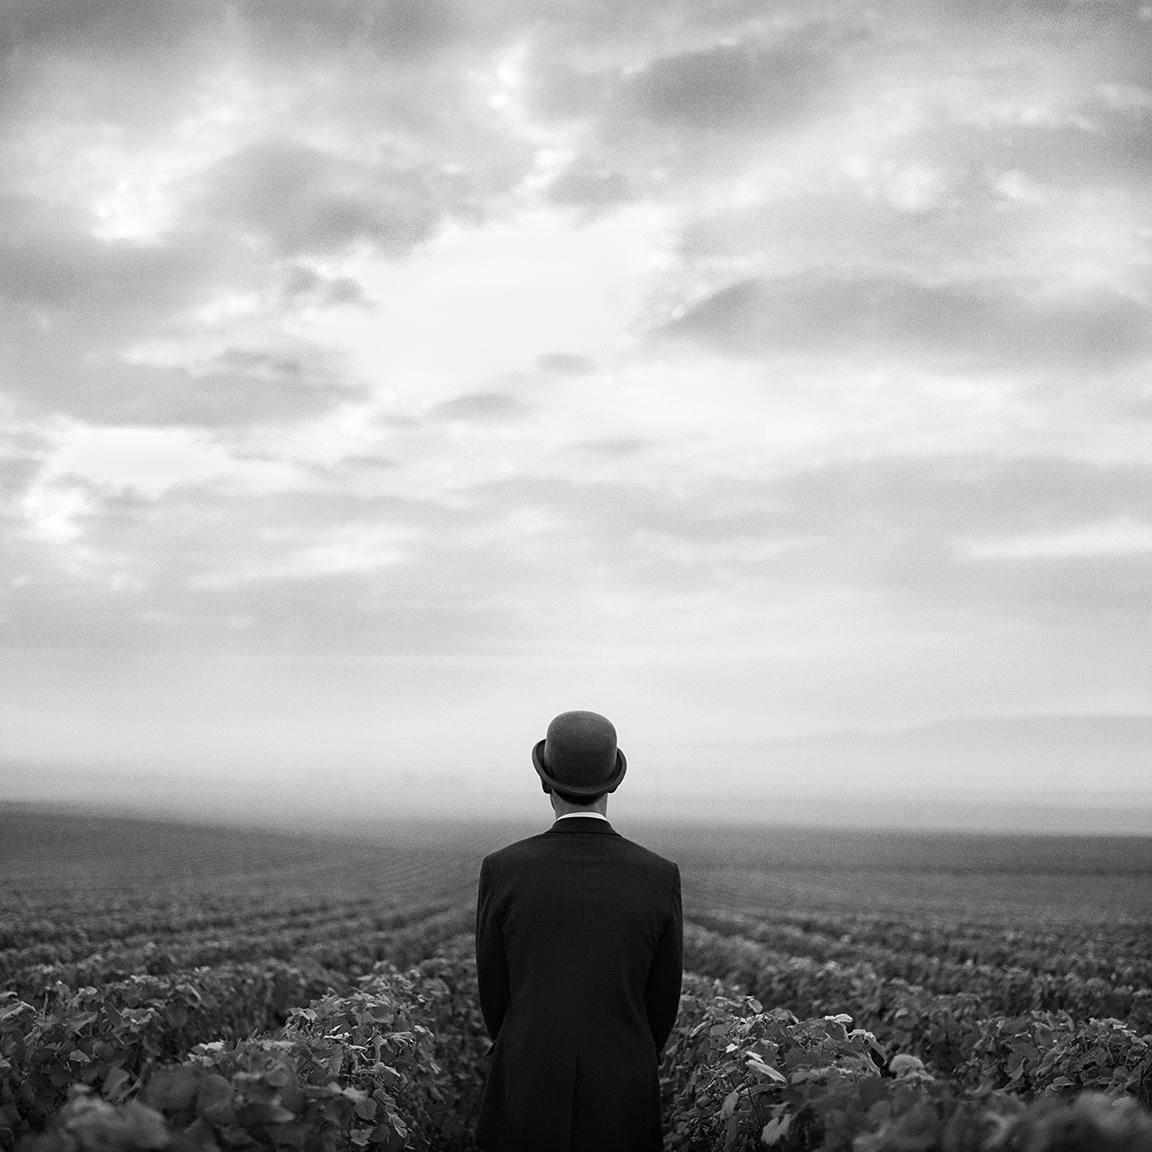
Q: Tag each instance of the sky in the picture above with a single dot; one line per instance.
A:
(379, 378)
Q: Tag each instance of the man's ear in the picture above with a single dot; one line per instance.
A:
(547, 788)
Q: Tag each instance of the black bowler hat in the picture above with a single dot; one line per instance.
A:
(579, 755)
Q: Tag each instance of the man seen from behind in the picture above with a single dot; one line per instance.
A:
(578, 959)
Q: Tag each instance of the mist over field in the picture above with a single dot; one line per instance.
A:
(962, 775)
(380, 379)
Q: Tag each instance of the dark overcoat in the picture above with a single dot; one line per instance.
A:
(579, 944)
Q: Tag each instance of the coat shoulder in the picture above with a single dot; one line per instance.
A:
(512, 853)
(535, 847)
(656, 862)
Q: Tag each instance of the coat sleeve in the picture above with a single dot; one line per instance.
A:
(491, 963)
(662, 992)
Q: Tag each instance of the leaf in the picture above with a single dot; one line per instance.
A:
(15, 1010)
(757, 1065)
(115, 1083)
(775, 1130)
(729, 1105)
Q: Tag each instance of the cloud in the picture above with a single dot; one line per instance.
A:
(516, 565)
(1115, 536)
(481, 408)
(958, 536)
(74, 305)
(406, 33)
(296, 200)
(305, 412)
(888, 531)
(584, 184)
(51, 263)
(614, 447)
(1102, 148)
(234, 389)
(978, 325)
(565, 364)
(730, 87)
(304, 286)
(110, 28)
(58, 55)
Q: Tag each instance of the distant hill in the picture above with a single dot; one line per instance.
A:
(1046, 773)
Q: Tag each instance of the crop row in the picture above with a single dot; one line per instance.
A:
(396, 1063)
(1119, 951)
(956, 1035)
(84, 920)
(351, 944)
(1002, 988)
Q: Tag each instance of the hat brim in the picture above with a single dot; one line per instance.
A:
(609, 785)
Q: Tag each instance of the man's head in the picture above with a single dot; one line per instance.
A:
(578, 760)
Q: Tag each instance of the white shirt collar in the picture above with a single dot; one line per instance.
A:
(582, 816)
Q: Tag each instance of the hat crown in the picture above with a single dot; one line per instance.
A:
(579, 754)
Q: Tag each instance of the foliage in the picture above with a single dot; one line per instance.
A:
(735, 1073)
(110, 1038)
(396, 1064)
(956, 1035)
(307, 1001)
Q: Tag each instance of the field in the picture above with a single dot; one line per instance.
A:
(185, 987)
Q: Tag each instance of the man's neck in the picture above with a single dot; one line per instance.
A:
(599, 807)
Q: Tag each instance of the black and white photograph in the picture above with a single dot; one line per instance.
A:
(575, 576)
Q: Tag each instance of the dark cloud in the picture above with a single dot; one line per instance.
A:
(661, 113)
(128, 61)
(305, 286)
(405, 33)
(481, 408)
(730, 87)
(104, 27)
(296, 199)
(978, 325)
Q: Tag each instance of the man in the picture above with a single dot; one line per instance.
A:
(578, 959)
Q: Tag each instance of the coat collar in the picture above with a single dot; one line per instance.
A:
(582, 824)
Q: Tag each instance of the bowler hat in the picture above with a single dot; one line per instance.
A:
(579, 755)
